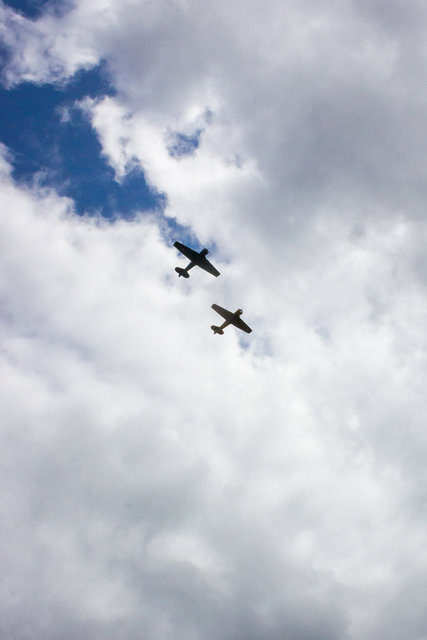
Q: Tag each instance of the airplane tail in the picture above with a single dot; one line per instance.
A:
(182, 272)
(217, 330)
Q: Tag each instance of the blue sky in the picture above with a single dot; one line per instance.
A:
(34, 8)
(67, 154)
(64, 152)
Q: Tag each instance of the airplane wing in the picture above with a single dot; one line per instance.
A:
(207, 266)
(189, 253)
(227, 315)
(238, 322)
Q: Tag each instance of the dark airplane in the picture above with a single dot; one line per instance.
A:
(195, 258)
(230, 318)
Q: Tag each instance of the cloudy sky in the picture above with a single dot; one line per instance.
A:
(160, 482)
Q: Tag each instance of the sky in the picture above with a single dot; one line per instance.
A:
(161, 482)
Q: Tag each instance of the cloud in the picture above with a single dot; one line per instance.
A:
(323, 100)
(115, 445)
(293, 94)
(166, 482)
(229, 492)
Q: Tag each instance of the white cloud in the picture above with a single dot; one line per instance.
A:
(41, 51)
(165, 482)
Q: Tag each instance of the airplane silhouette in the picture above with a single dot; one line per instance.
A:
(230, 318)
(196, 259)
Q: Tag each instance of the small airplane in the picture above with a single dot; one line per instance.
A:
(230, 318)
(195, 258)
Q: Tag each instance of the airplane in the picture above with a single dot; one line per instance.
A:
(230, 318)
(195, 258)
